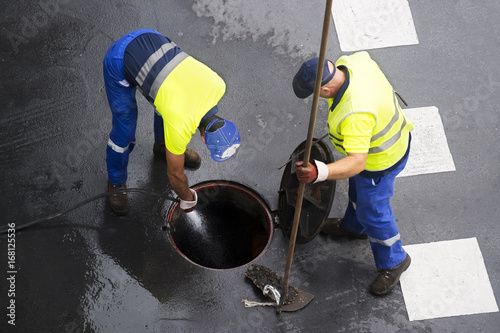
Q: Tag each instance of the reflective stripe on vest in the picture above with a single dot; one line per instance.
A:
(164, 72)
(146, 68)
(388, 143)
(336, 141)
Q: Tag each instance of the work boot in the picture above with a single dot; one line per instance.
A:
(388, 278)
(119, 201)
(159, 148)
(191, 158)
(334, 227)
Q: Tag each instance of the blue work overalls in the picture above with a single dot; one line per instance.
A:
(121, 99)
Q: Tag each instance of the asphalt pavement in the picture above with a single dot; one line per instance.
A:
(91, 271)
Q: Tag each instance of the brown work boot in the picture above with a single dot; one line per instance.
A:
(119, 201)
(159, 148)
(334, 227)
(191, 158)
(388, 278)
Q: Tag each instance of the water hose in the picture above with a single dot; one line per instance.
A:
(6, 229)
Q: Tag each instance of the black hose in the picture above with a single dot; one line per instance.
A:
(105, 194)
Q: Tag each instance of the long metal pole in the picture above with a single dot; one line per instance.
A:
(307, 152)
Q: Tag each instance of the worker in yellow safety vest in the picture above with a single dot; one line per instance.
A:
(184, 93)
(365, 123)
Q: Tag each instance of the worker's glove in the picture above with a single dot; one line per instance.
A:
(315, 172)
(188, 206)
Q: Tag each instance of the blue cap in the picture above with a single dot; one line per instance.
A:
(224, 141)
(304, 80)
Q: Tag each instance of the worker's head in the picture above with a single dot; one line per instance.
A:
(304, 80)
(221, 137)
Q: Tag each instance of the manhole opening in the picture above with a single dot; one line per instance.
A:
(230, 227)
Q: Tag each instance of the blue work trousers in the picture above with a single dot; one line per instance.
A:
(121, 99)
(369, 211)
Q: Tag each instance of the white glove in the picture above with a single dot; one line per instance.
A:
(188, 206)
(322, 171)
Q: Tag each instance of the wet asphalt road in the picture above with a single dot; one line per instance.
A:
(90, 271)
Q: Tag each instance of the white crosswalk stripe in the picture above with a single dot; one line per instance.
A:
(429, 151)
(371, 24)
(447, 278)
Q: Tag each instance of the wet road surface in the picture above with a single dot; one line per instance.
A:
(90, 271)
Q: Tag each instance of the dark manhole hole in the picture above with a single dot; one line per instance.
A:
(230, 227)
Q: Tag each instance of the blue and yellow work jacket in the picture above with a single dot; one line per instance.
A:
(181, 88)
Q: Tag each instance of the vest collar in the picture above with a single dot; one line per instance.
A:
(342, 89)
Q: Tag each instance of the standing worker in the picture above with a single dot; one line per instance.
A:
(184, 92)
(365, 123)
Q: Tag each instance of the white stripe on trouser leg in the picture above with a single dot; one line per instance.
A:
(117, 148)
(353, 203)
(387, 242)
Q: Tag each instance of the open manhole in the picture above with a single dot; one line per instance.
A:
(230, 227)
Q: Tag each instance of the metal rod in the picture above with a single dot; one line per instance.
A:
(401, 98)
(300, 152)
(307, 153)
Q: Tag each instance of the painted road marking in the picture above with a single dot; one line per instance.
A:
(447, 279)
(429, 151)
(372, 24)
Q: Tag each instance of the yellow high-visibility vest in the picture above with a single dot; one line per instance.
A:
(189, 91)
(370, 92)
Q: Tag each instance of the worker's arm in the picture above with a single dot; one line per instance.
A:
(177, 177)
(346, 167)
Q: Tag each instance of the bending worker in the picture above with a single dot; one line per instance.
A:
(185, 94)
(365, 123)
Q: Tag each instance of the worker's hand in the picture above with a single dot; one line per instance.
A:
(315, 172)
(189, 206)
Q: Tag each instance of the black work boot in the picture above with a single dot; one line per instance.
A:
(119, 201)
(191, 158)
(333, 227)
(388, 278)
